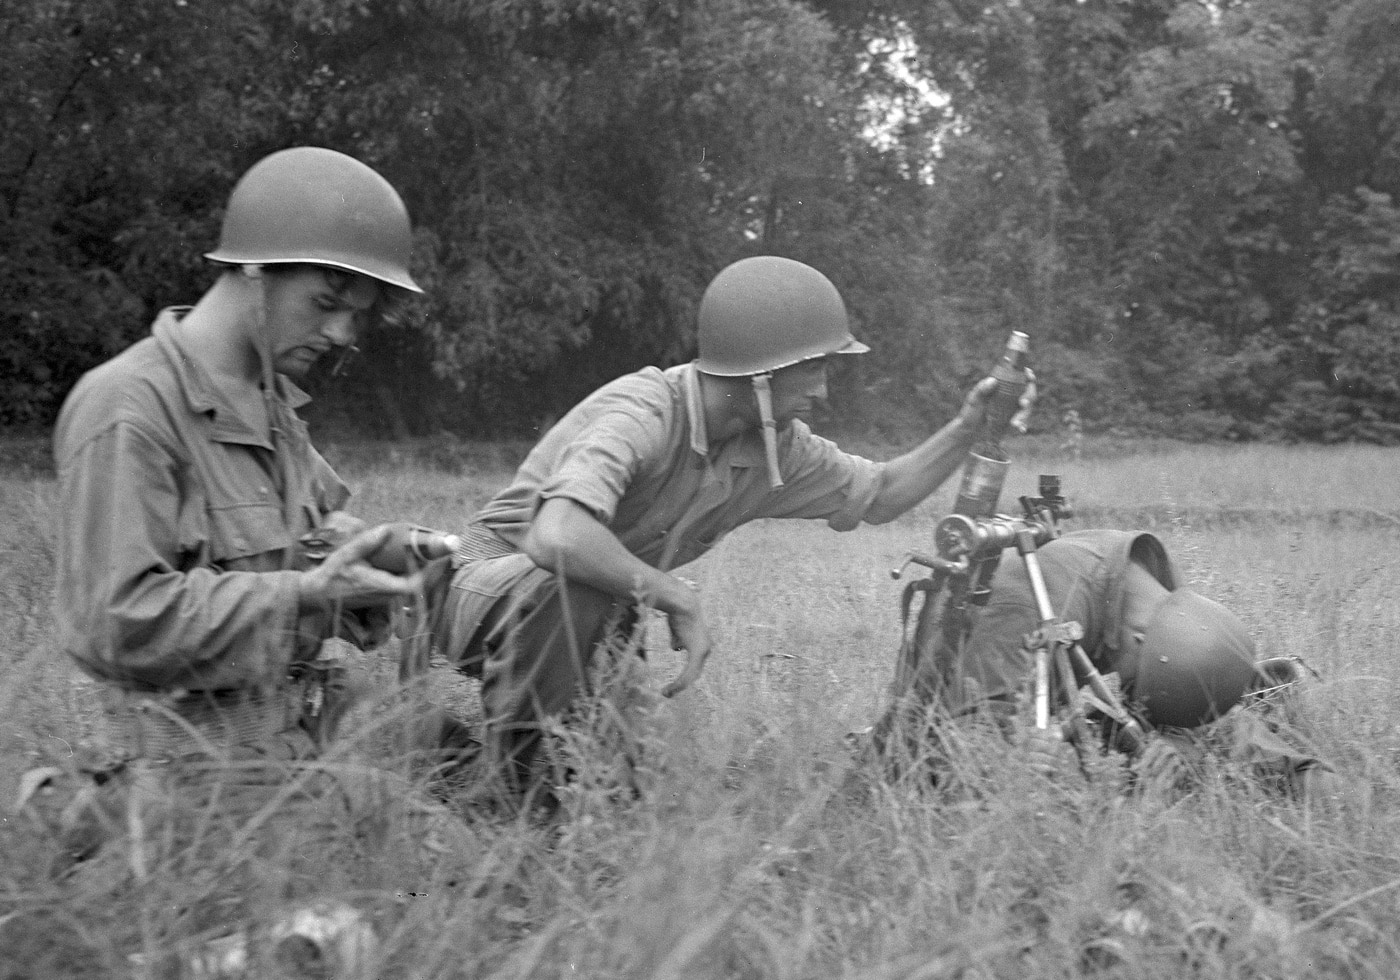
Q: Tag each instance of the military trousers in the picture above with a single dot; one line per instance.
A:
(530, 636)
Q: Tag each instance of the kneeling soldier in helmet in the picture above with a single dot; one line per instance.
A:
(650, 472)
(196, 577)
(186, 477)
(1182, 662)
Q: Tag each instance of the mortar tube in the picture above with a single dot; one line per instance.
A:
(982, 480)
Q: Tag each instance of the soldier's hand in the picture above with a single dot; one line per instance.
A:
(689, 633)
(974, 407)
(1163, 768)
(346, 578)
(343, 524)
(1048, 754)
(1022, 418)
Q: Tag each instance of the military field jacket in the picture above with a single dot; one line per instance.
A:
(635, 453)
(174, 543)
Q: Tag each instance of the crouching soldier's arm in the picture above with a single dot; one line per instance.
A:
(910, 478)
(569, 541)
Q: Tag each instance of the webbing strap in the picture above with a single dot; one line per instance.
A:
(478, 542)
(170, 726)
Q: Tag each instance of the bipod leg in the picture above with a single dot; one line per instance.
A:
(1131, 734)
(1025, 546)
(1063, 638)
(906, 665)
(1076, 729)
(1042, 687)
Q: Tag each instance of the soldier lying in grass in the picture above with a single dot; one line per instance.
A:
(1184, 664)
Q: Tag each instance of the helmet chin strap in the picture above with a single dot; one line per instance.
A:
(763, 394)
(281, 454)
(262, 343)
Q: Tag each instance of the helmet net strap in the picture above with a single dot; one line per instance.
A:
(763, 394)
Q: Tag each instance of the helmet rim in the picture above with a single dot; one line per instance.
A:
(382, 274)
(709, 366)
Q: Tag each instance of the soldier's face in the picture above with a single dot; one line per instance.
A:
(312, 311)
(798, 390)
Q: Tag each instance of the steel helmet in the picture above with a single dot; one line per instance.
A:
(1195, 662)
(765, 313)
(316, 206)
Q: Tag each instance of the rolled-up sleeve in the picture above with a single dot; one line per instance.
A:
(597, 468)
(134, 601)
(821, 480)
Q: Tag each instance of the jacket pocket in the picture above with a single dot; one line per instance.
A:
(242, 532)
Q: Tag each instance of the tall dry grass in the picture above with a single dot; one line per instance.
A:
(743, 841)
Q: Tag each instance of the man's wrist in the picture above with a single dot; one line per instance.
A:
(310, 598)
(676, 596)
(965, 428)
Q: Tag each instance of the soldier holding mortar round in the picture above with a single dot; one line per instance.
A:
(650, 472)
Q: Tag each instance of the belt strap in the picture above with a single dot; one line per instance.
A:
(479, 542)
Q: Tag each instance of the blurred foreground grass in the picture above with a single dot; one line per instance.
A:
(756, 849)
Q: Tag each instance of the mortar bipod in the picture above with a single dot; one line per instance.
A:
(1057, 642)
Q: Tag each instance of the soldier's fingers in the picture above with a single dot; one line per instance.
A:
(694, 664)
(368, 580)
(363, 544)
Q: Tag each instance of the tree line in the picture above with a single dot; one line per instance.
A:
(1190, 206)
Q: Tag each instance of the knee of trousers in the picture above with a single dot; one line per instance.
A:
(558, 631)
(514, 611)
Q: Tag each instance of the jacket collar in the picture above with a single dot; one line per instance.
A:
(743, 450)
(201, 392)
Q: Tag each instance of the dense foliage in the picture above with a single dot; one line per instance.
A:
(1190, 206)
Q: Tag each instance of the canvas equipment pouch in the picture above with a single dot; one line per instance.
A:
(164, 726)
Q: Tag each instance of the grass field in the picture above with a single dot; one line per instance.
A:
(757, 850)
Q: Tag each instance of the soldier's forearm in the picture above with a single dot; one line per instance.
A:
(910, 478)
(569, 541)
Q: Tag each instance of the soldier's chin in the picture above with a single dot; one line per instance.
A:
(295, 365)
